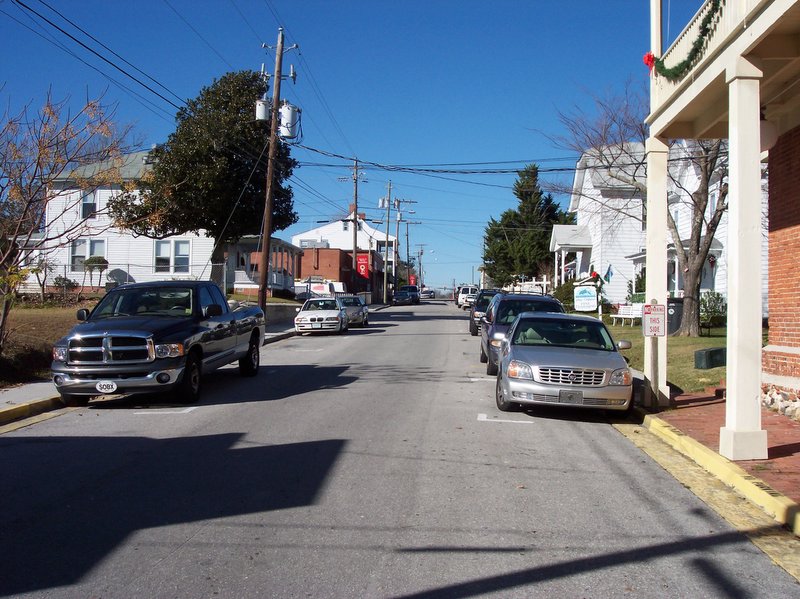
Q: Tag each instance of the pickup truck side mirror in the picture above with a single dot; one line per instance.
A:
(212, 310)
(82, 314)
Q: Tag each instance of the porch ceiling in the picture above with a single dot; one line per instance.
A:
(698, 108)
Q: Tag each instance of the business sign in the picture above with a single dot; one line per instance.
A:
(585, 297)
(412, 279)
(362, 264)
(654, 320)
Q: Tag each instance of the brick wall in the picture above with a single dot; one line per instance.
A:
(784, 252)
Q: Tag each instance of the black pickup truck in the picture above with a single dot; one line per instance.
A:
(155, 337)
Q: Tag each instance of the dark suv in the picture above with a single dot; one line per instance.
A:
(479, 309)
(501, 312)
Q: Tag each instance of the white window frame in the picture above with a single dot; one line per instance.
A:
(90, 248)
(85, 203)
(176, 263)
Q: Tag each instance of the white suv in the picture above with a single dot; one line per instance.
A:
(466, 295)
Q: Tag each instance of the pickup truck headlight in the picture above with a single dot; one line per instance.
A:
(60, 354)
(169, 350)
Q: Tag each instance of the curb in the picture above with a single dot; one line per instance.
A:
(26, 410)
(755, 490)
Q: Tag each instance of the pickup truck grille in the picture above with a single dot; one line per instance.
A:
(111, 349)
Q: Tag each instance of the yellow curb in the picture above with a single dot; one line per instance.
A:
(28, 409)
(773, 502)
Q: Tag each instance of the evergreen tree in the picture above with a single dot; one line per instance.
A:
(518, 245)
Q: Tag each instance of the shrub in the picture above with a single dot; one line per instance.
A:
(713, 308)
(64, 284)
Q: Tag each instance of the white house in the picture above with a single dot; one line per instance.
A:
(338, 234)
(610, 235)
(78, 227)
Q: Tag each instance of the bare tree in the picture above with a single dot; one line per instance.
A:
(610, 141)
(41, 152)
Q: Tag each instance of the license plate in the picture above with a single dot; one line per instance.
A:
(316, 325)
(106, 386)
(571, 397)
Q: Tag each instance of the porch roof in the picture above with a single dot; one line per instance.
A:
(570, 238)
(714, 249)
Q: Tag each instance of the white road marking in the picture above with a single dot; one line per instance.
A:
(484, 418)
(160, 412)
(484, 378)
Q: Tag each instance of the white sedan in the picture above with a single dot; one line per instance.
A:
(321, 314)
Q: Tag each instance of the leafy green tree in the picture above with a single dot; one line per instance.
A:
(518, 245)
(211, 173)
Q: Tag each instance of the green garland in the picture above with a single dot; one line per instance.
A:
(680, 69)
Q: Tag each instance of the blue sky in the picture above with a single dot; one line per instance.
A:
(386, 81)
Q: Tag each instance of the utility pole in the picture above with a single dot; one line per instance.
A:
(397, 203)
(355, 225)
(386, 247)
(408, 252)
(266, 226)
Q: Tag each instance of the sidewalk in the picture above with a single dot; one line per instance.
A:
(773, 484)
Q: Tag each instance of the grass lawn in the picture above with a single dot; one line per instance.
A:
(681, 372)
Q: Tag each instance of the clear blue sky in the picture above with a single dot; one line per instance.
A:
(386, 81)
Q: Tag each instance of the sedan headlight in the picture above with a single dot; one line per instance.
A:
(519, 370)
(332, 319)
(621, 377)
(300, 319)
(169, 350)
(60, 354)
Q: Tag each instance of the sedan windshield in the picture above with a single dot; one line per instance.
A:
(564, 333)
(320, 305)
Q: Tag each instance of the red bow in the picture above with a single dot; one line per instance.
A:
(649, 60)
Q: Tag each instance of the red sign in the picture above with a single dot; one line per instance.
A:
(362, 264)
(412, 279)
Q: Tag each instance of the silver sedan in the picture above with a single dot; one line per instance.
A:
(562, 359)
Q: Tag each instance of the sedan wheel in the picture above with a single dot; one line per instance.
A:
(484, 358)
(500, 399)
(491, 368)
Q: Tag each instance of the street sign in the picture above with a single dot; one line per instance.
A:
(654, 320)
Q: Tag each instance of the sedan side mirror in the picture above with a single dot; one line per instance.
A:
(624, 344)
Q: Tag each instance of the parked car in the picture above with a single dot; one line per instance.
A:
(413, 290)
(562, 359)
(156, 337)
(402, 298)
(478, 309)
(357, 311)
(500, 313)
(427, 293)
(466, 295)
(321, 314)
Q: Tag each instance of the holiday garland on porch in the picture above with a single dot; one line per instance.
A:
(679, 70)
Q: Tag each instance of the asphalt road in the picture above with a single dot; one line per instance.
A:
(371, 464)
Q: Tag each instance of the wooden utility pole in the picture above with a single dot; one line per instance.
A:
(386, 247)
(355, 225)
(266, 228)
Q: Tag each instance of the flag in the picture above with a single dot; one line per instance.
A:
(609, 274)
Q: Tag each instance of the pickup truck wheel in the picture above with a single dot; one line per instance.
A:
(248, 364)
(189, 387)
(70, 400)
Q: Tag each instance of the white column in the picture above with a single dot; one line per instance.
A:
(742, 438)
(655, 348)
(563, 265)
(555, 274)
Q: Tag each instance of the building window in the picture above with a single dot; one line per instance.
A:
(172, 256)
(81, 249)
(88, 205)
(345, 225)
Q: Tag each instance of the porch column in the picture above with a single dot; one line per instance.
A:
(555, 274)
(742, 437)
(655, 348)
(563, 265)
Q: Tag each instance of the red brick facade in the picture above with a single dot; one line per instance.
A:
(784, 250)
